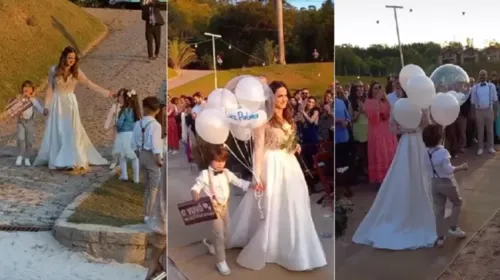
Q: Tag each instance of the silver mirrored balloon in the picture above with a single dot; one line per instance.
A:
(450, 77)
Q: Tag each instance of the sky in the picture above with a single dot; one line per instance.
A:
(306, 3)
(431, 20)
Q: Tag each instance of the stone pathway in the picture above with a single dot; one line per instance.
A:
(36, 196)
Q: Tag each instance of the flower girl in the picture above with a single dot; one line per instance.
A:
(110, 123)
(123, 147)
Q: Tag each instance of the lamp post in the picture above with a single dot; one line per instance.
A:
(213, 53)
(395, 8)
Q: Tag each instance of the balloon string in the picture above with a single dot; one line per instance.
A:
(257, 194)
(239, 149)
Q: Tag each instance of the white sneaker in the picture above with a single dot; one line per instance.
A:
(19, 161)
(491, 151)
(210, 247)
(112, 166)
(27, 162)
(457, 232)
(479, 152)
(174, 152)
(223, 268)
(440, 242)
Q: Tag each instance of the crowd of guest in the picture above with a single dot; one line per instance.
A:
(365, 142)
(313, 117)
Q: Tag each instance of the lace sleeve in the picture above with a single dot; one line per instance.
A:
(258, 152)
(88, 83)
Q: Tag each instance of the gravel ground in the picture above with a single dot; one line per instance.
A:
(479, 260)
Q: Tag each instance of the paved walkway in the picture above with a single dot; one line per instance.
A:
(481, 195)
(192, 258)
(36, 196)
(187, 76)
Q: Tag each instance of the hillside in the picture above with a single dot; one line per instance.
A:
(34, 32)
(317, 77)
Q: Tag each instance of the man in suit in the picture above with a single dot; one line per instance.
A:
(154, 20)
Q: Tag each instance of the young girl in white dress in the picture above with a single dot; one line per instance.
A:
(110, 124)
(123, 147)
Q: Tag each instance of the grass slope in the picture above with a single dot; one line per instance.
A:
(365, 79)
(34, 32)
(115, 203)
(317, 77)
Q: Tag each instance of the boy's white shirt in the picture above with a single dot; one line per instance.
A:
(110, 121)
(152, 136)
(28, 113)
(220, 183)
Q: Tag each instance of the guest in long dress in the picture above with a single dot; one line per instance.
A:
(173, 132)
(310, 132)
(382, 142)
(326, 117)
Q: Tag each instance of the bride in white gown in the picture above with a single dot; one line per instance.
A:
(401, 216)
(65, 143)
(287, 235)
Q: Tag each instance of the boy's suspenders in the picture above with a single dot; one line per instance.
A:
(212, 189)
(143, 129)
(432, 164)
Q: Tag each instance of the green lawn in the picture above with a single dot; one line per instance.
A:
(34, 32)
(365, 79)
(171, 73)
(317, 77)
(115, 203)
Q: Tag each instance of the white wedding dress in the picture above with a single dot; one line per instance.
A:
(65, 142)
(402, 216)
(287, 235)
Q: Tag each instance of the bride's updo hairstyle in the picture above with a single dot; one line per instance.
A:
(62, 62)
(288, 111)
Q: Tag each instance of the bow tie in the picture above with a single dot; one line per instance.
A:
(483, 84)
(217, 173)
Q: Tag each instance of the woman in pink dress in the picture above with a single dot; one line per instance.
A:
(173, 136)
(382, 142)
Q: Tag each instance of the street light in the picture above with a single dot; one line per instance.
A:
(213, 53)
(395, 8)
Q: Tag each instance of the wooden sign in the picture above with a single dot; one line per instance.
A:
(16, 107)
(197, 212)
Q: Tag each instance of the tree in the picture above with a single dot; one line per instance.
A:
(180, 54)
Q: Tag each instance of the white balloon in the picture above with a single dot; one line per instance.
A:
(222, 99)
(260, 120)
(241, 133)
(406, 114)
(445, 109)
(408, 72)
(212, 126)
(420, 91)
(243, 117)
(250, 93)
